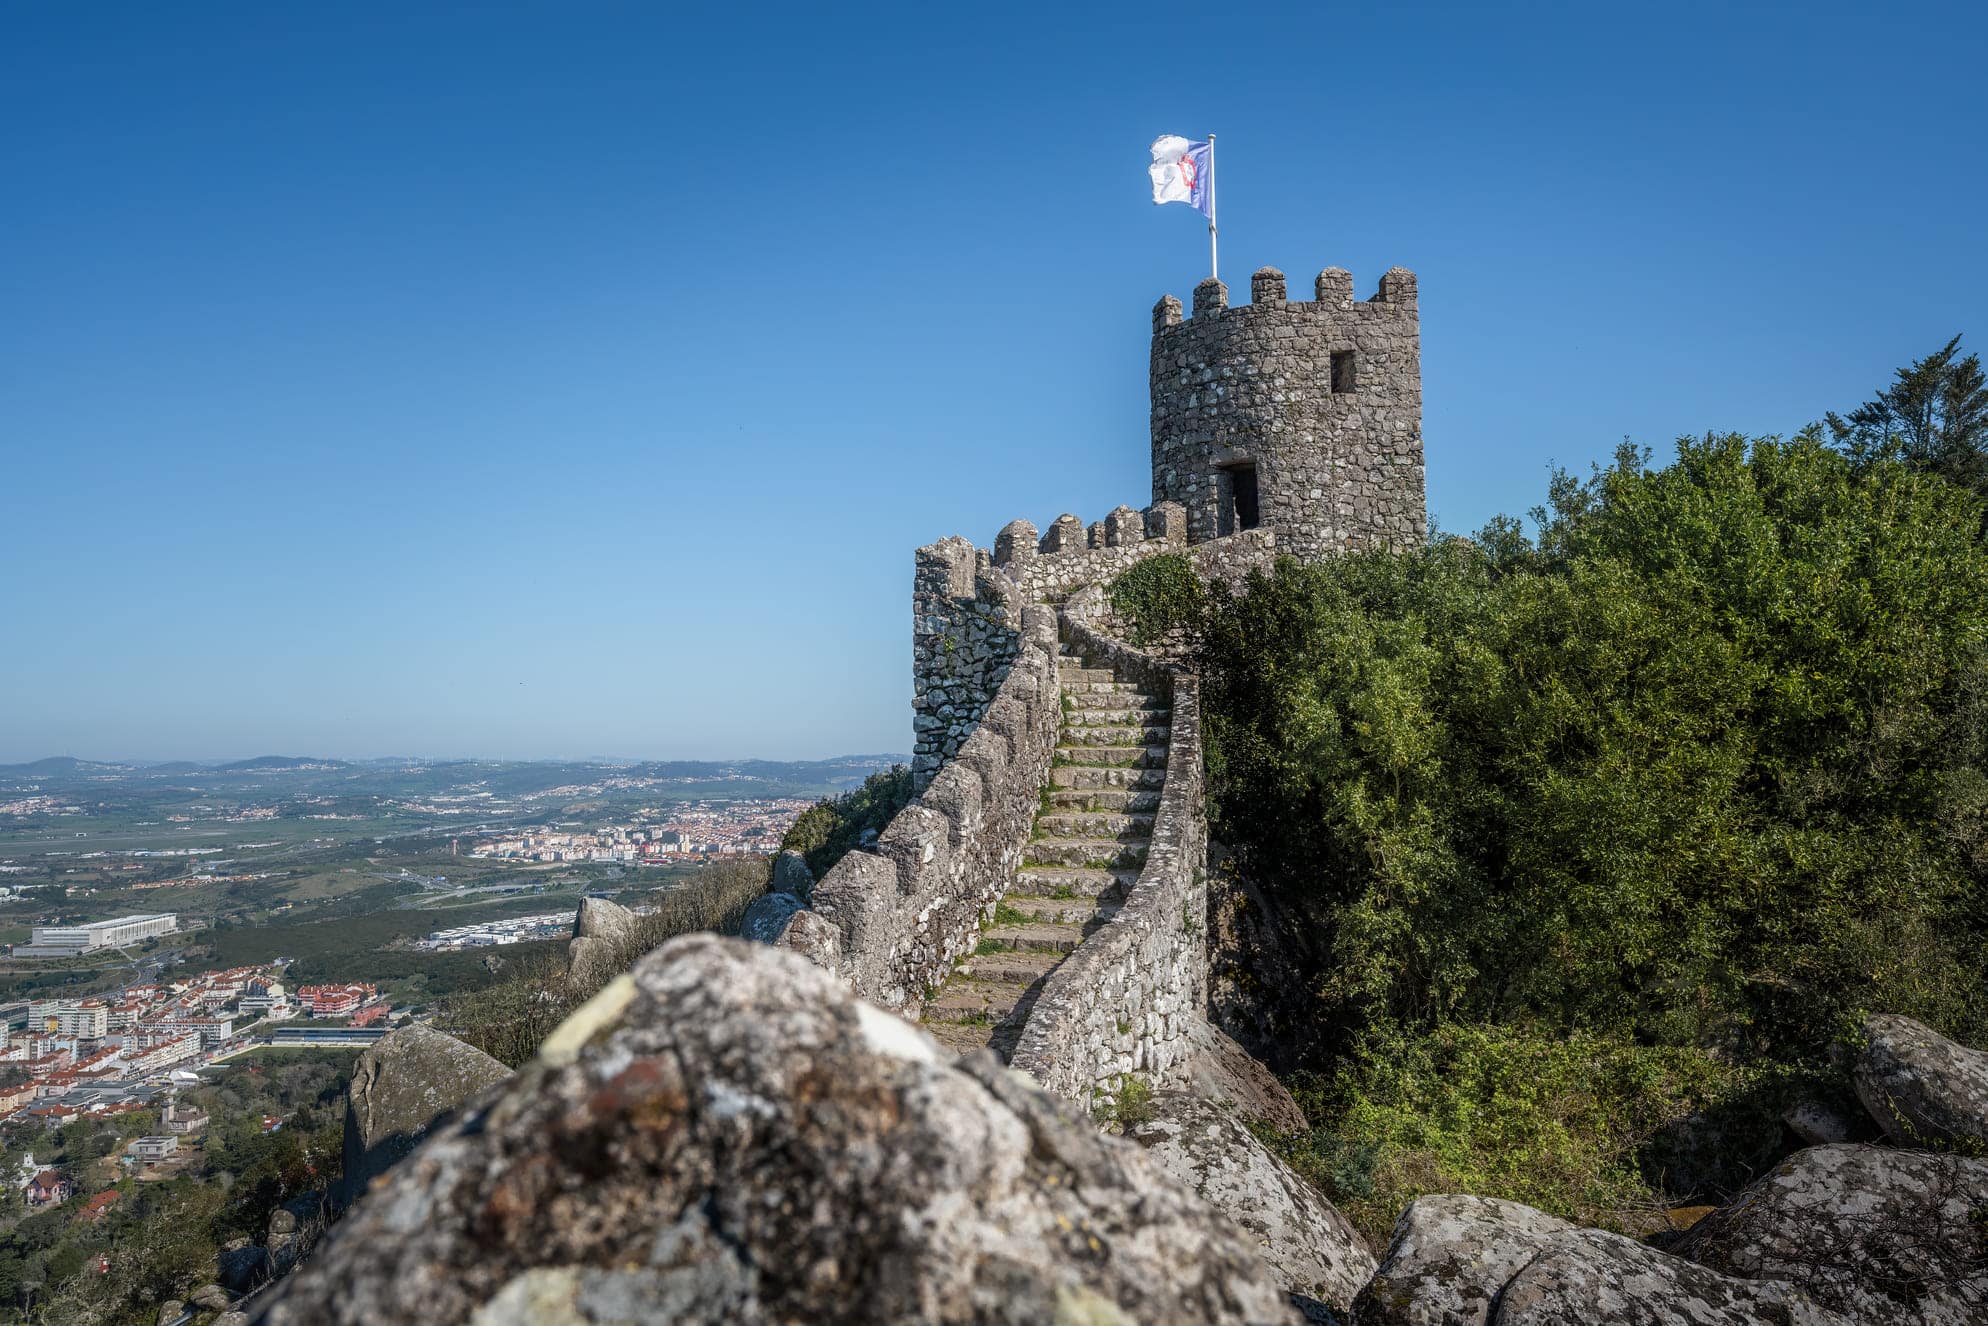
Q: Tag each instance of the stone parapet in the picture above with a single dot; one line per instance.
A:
(965, 634)
(900, 915)
(1130, 999)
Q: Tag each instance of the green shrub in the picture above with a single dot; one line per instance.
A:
(1701, 770)
(1157, 596)
(1559, 1122)
(827, 830)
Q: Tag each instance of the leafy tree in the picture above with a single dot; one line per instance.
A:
(1701, 769)
(1934, 417)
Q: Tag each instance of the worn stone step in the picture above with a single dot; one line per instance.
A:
(1035, 937)
(1091, 854)
(960, 1037)
(1011, 966)
(1104, 798)
(1118, 757)
(971, 999)
(1079, 881)
(1077, 672)
(1078, 911)
(1123, 689)
(1083, 777)
(1094, 824)
(1092, 702)
(1100, 735)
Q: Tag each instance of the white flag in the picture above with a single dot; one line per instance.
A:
(1180, 173)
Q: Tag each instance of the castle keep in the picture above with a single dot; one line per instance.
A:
(1045, 894)
(1302, 416)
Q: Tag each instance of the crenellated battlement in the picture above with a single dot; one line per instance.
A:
(1332, 292)
(1303, 416)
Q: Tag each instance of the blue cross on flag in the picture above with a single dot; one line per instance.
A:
(1180, 173)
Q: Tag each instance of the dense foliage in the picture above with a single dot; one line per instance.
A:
(1933, 417)
(1700, 770)
(826, 831)
(1157, 597)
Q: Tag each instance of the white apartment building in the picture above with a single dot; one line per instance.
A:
(85, 1019)
(68, 941)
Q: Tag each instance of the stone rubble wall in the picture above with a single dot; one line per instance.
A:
(1128, 1000)
(1335, 470)
(965, 635)
(893, 920)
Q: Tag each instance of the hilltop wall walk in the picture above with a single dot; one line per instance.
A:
(1280, 427)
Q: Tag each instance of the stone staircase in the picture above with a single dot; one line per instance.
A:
(1089, 842)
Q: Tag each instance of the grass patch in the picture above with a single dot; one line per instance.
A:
(1131, 1104)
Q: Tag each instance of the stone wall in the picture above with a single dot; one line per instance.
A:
(965, 634)
(894, 920)
(1338, 464)
(1129, 1000)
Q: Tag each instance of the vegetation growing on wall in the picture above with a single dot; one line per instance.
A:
(1693, 777)
(1156, 597)
(827, 830)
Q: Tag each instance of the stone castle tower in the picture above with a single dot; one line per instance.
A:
(1301, 417)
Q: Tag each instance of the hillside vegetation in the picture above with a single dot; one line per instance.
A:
(1591, 845)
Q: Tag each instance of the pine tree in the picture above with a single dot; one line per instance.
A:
(1934, 417)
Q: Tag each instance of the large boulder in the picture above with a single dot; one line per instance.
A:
(728, 1135)
(1478, 1261)
(1218, 1069)
(1591, 1277)
(209, 1298)
(1922, 1088)
(1877, 1233)
(1449, 1257)
(791, 875)
(400, 1086)
(767, 916)
(1315, 1252)
(603, 933)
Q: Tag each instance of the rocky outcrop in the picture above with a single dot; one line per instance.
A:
(1449, 1257)
(1923, 1089)
(1315, 1252)
(767, 917)
(400, 1086)
(1591, 1277)
(603, 932)
(791, 875)
(728, 1135)
(1478, 1261)
(209, 1298)
(1217, 1069)
(1877, 1233)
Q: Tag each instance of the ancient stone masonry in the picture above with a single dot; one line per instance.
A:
(1301, 416)
(894, 920)
(1277, 428)
(1126, 1001)
(965, 635)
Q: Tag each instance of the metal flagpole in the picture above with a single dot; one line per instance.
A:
(1214, 268)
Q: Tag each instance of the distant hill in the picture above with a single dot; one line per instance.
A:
(60, 764)
(266, 762)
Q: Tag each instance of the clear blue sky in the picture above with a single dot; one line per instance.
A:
(576, 379)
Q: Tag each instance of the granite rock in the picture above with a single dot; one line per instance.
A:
(1315, 1252)
(768, 916)
(1478, 1261)
(732, 1136)
(1877, 1233)
(400, 1086)
(1922, 1088)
